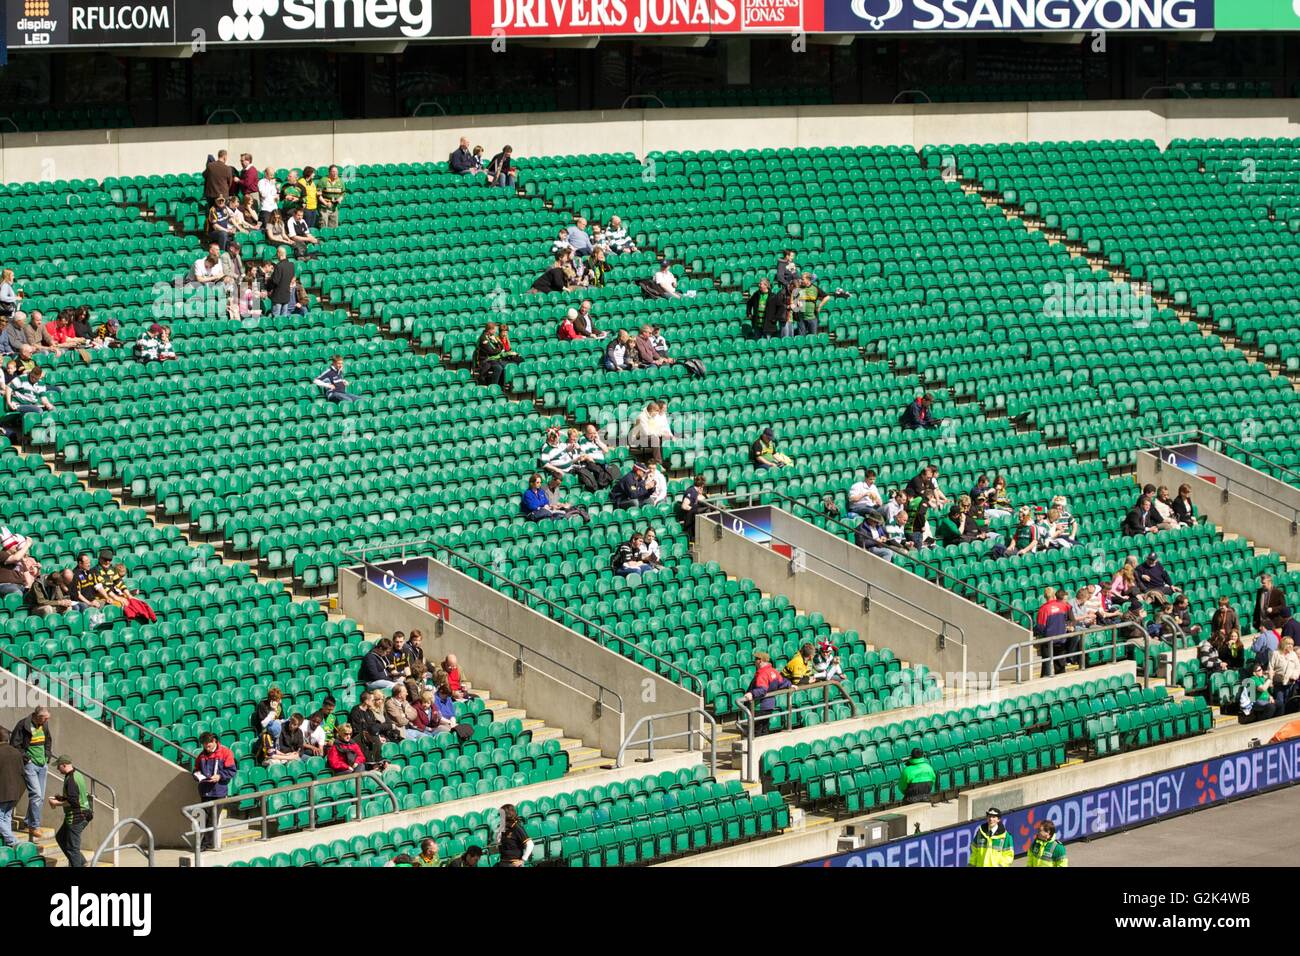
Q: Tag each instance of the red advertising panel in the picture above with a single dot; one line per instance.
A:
(642, 17)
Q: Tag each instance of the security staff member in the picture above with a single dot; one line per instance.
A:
(991, 845)
(1046, 850)
(917, 780)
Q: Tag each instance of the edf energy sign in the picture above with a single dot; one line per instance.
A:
(937, 16)
(1097, 812)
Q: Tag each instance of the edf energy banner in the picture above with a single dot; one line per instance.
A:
(939, 16)
(642, 17)
(1097, 812)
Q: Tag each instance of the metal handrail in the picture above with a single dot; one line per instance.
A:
(95, 784)
(635, 649)
(869, 586)
(601, 691)
(415, 112)
(10, 121)
(198, 812)
(1155, 444)
(905, 92)
(749, 717)
(1179, 87)
(112, 835)
(644, 96)
(1025, 656)
(33, 669)
(1005, 608)
(689, 733)
(1202, 432)
(224, 109)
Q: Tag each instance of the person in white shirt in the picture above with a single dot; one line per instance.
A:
(268, 193)
(148, 348)
(665, 279)
(649, 551)
(651, 431)
(864, 496)
(617, 240)
(657, 340)
(313, 735)
(208, 270)
(657, 482)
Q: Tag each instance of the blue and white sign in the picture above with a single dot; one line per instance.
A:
(1096, 812)
(939, 16)
(406, 579)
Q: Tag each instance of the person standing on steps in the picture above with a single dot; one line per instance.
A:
(12, 787)
(33, 738)
(77, 811)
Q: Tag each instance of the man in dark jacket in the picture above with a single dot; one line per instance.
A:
(462, 160)
(214, 768)
(630, 491)
(1269, 602)
(33, 738)
(766, 679)
(12, 787)
(756, 308)
(279, 284)
(776, 314)
(1152, 576)
(919, 414)
(52, 594)
(218, 177)
(1138, 520)
(77, 811)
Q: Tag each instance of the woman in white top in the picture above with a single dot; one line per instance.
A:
(9, 299)
(649, 551)
(651, 431)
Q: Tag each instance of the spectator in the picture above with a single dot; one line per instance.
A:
(616, 353)
(428, 853)
(588, 454)
(1184, 510)
(578, 239)
(310, 196)
(218, 178)
(630, 491)
(1265, 646)
(870, 536)
(777, 320)
(554, 496)
(444, 705)
(1208, 659)
(1269, 602)
(1124, 586)
(1255, 700)
(1162, 510)
(344, 755)
(625, 560)
(492, 354)
(18, 569)
(378, 669)
(1225, 626)
(1062, 530)
(12, 787)
(691, 504)
(1052, 621)
(63, 333)
(220, 224)
(426, 714)
(998, 503)
(1283, 672)
(245, 183)
(561, 244)
(500, 171)
(214, 769)
(766, 680)
(52, 595)
(208, 270)
(534, 504)
(657, 482)
(1086, 608)
(514, 846)
(829, 508)
(78, 811)
(567, 332)
(920, 414)
(1140, 520)
(414, 653)
(33, 737)
(399, 710)
(826, 663)
(617, 239)
(1289, 627)
(83, 582)
(300, 234)
(313, 735)
(292, 195)
(456, 680)
(110, 583)
(1181, 616)
(331, 198)
(290, 742)
(333, 384)
(1152, 577)
(763, 454)
(276, 232)
(149, 345)
(807, 304)
(646, 353)
(649, 551)
(787, 272)
(916, 782)
(864, 495)
(26, 394)
(556, 458)
(665, 279)
(583, 324)
(268, 716)
(462, 160)
(798, 669)
(268, 193)
(369, 729)
(470, 858)
(651, 432)
(10, 297)
(756, 309)
(1024, 540)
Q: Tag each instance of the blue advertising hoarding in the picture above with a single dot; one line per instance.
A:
(940, 16)
(406, 579)
(1094, 813)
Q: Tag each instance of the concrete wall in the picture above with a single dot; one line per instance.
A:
(483, 628)
(1233, 496)
(98, 154)
(147, 786)
(906, 612)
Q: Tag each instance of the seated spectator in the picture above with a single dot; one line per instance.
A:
(657, 482)
(631, 490)
(998, 503)
(426, 714)
(556, 457)
(208, 270)
(870, 536)
(1061, 532)
(950, 529)
(26, 394)
(290, 742)
(1265, 646)
(501, 172)
(693, 502)
(444, 703)
(220, 225)
(1209, 659)
(616, 353)
(1152, 577)
(149, 346)
(588, 455)
(625, 562)
(561, 244)
(579, 241)
(52, 594)
(1180, 614)
(63, 332)
(1087, 610)
(492, 354)
(646, 353)
(462, 160)
(332, 383)
(650, 552)
(829, 508)
(1124, 585)
(378, 669)
(166, 351)
(268, 715)
(617, 239)
(583, 324)
(798, 669)
(83, 581)
(456, 679)
(566, 331)
(1284, 672)
(1162, 506)
(596, 271)
(665, 279)
(300, 235)
(343, 754)
(18, 569)
(534, 504)
(401, 713)
(559, 507)
(11, 298)
(826, 663)
(920, 413)
(1182, 506)
(1139, 520)
(1255, 701)
(110, 582)
(1024, 540)
(313, 735)
(763, 453)
(864, 495)
(651, 432)
(277, 233)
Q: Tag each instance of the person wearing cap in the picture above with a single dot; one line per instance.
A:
(916, 782)
(1047, 850)
(870, 536)
(763, 451)
(766, 679)
(149, 345)
(77, 811)
(630, 491)
(665, 279)
(991, 845)
(920, 413)
(567, 331)
(826, 663)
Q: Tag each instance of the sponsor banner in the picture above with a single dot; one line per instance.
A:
(1184, 458)
(44, 23)
(1258, 15)
(406, 579)
(754, 524)
(641, 17)
(1097, 812)
(290, 21)
(941, 16)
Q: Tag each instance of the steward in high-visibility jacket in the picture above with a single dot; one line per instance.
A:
(1046, 849)
(917, 780)
(991, 845)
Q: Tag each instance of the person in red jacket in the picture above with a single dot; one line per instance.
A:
(344, 755)
(456, 680)
(214, 768)
(766, 679)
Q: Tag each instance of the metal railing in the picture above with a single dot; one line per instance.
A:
(219, 112)
(905, 92)
(1179, 88)
(963, 587)
(147, 851)
(520, 648)
(634, 651)
(199, 814)
(869, 588)
(1028, 654)
(690, 733)
(749, 717)
(95, 786)
(643, 96)
(83, 697)
(423, 103)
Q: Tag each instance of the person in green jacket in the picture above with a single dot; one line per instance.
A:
(916, 783)
(991, 845)
(949, 530)
(1046, 849)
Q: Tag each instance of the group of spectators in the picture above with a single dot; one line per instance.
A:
(810, 664)
(582, 256)
(26, 757)
(1156, 511)
(791, 304)
(499, 172)
(83, 587)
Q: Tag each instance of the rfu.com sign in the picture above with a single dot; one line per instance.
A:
(588, 17)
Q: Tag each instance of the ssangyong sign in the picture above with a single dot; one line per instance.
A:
(641, 17)
(937, 16)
